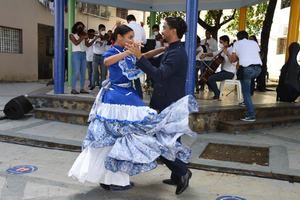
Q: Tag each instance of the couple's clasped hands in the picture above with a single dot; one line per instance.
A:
(134, 48)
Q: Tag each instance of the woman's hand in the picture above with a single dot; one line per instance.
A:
(134, 48)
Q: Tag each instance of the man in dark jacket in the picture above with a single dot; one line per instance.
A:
(169, 79)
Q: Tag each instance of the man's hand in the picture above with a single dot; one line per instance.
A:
(134, 48)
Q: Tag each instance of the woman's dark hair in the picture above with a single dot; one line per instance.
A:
(177, 23)
(242, 35)
(225, 38)
(121, 30)
(74, 27)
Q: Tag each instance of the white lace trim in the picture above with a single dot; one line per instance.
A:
(123, 112)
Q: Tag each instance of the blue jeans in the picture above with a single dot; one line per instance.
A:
(90, 70)
(98, 60)
(249, 73)
(220, 76)
(79, 68)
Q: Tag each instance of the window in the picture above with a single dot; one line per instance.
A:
(10, 40)
(122, 13)
(281, 45)
(94, 10)
(285, 4)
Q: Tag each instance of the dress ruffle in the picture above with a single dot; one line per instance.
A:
(136, 136)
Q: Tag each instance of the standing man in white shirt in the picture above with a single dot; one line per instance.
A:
(139, 36)
(99, 48)
(247, 52)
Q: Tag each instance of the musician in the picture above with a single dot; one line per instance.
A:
(228, 69)
(89, 53)
(99, 48)
(209, 45)
(199, 52)
(247, 52)
(79, 39)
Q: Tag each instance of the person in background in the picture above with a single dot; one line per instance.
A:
(253, 37)
(79, 39)
(89, 54)
(211, 45)
(228, 69)
(247, 52)
(199, 52)
(99, 48)
(140, 37)
(110, 36)
(157, 36)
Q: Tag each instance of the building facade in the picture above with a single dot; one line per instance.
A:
(27, 35)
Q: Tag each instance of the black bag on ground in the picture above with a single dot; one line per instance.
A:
(17, 107)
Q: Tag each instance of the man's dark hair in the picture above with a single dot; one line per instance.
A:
(177, 23)
(101, 26)
(155, 26)
(242, 35)
(91, 31)
(130, 18)
(225, 38)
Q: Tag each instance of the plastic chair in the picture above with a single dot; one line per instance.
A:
(237, 85)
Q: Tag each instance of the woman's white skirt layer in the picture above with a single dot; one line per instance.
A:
(89, 167)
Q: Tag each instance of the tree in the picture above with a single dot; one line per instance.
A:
(265, 35)
(214, 20)
(255, 19)
(163, 15)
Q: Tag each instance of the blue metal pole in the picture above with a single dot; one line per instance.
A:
(59, 47)
(191, 44)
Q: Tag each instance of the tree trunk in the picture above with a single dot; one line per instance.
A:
(265, 35)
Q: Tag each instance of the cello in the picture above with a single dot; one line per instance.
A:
(211, 68)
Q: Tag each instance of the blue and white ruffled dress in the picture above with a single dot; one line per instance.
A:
(125, 137)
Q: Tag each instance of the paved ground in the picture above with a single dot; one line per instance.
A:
(51, 182)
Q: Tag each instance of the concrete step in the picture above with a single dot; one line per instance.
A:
(207, 119)
(64, 102)
(62, 115)
(235, 126)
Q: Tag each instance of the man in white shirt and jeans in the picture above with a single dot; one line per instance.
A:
(247, 53)
(139, 36)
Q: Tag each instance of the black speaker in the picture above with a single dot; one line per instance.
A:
(17, 107)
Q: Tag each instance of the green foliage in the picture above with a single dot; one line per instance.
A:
(162, 15)
(255, 19)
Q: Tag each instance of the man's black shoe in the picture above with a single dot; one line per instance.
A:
(104, 186)
(169, 182)
(183, 182)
